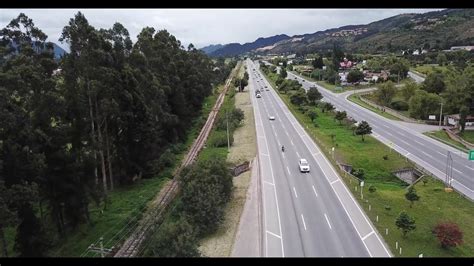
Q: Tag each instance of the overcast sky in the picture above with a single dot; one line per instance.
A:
(207, 26)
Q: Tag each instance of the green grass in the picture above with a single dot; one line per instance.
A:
(356, 99)
(442, 136)
(468, 136)
(435, 205)
(428, 69)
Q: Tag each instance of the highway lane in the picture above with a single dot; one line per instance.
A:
(310, 214)
(428, 153)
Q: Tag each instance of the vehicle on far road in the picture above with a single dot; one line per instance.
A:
(303, 165)
(259, 96)
(271, 117)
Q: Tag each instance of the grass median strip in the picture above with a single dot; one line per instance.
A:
(442, 136)
(387, 200)
(355, 98)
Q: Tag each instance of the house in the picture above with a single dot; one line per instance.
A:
(416, 52)
(424, 51)
(453, 120)
(291, 56)
(57, 71)
(373, 76)
(345, 64)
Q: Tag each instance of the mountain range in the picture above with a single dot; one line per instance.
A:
(433, 30)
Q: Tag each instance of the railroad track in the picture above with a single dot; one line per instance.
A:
(131, 246)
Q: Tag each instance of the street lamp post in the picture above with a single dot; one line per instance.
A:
(440, 114)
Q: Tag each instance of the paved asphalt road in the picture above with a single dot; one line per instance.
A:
(305, 214)
(428, 153)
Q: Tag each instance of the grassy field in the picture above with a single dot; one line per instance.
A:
(435, 205)
(468, 136)
(443, 137)
(356, 99)
(427, 69)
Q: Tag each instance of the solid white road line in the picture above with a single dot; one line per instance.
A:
(288, 169)
(304, 224)
(268, 183)
(273, 234)
(369, 234)
(327, 220)
(457, 170)
(296, 195)
(315, 193)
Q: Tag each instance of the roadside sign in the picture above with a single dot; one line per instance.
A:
(432, 117)
(471, 155)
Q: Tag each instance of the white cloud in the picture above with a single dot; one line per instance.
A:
(207, 26)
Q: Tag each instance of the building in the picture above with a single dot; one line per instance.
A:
(291, 56)
(467, 48)
(346, 64)
(373, 76)
(453, 120)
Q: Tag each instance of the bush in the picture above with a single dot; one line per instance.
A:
(175, 239)
(385, 157)
(448, 234)
(372, 189)
(388, 207)
(399, 105)
(219, 139)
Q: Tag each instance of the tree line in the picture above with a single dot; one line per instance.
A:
(104, 115)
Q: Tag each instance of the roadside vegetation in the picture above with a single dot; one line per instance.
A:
(206, 187)
(425, 205)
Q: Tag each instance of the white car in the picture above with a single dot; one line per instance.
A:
(271, 117)
(303, 165)
(259, 96)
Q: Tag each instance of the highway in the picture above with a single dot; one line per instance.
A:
(304, 214)
(426, 152)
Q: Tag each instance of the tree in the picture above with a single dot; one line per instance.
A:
(372, 189)
(313, 95)
(386, 92)
(434, 83)
(312, 114)
(340, 116)
(355, 76)
(449, 234)
(405, 223)
(298, 98)
(318, 62)
(363, 129)
(441, 59)
(175, 239)
(412, 196)
(283, 73)
(409, 90)
(327, 106)
(422, 104)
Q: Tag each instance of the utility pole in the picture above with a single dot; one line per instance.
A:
(103, 251)
(228, 140)
(440, 114)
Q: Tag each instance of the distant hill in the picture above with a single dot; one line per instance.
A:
(211, 48)
(58, 51)
(433, 30)
(233, 49)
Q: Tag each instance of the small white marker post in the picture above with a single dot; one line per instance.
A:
(369, 207)
(420, 256)
(386, 231)
(361, 188)
(400, 250)
(377, 218)
(396, 245)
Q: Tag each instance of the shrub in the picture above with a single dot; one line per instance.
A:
(399, 105)
(219, 139)
(388, 207)
(448, 234)
(372, 188)
(385, 157)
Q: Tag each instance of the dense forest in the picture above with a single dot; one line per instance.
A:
(103, 116)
